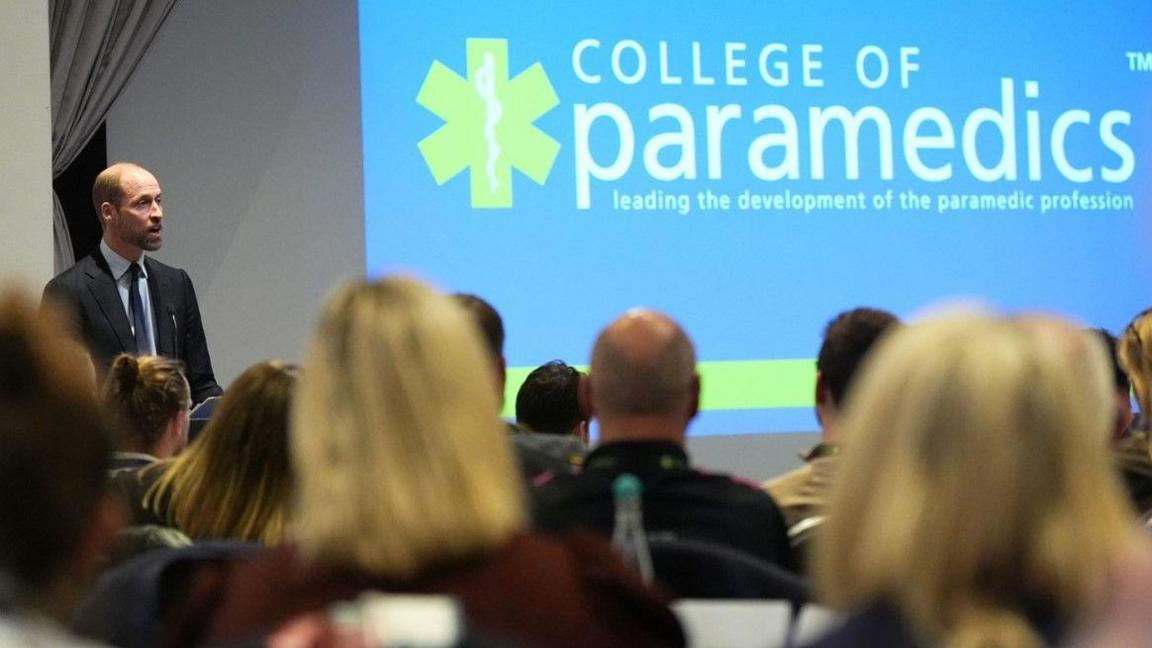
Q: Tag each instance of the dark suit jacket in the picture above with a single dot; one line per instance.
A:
(88, 290)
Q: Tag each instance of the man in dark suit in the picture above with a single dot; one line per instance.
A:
(126, 302)
(644, 390)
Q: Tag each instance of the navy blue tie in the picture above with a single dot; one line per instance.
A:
(136, 310)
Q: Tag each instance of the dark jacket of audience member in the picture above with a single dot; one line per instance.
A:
(644, 390)
(406, 483)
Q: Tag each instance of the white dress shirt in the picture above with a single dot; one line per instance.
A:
(120, 266)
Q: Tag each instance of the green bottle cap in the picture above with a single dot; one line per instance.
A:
(627, 486)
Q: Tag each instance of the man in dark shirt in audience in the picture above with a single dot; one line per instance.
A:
(644, 390)
(549, 401)
(803, 493)
(536, 453)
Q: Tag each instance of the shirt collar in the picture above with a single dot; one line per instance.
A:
(118, 264)
(820, 450)
(628, 455)
(133, 455)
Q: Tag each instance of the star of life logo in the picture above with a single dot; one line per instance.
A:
(488, 125)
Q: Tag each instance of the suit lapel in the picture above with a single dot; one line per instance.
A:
(158, 291)
(103, 289)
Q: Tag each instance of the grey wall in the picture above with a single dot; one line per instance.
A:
(25, 144)
(752, 456)
(249, 115)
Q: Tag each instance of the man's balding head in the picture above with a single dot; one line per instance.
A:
(108, 187)
(644, 365)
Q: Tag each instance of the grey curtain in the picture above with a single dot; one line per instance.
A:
(95, 47)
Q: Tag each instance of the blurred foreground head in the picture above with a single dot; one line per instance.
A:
(978, 487)
(400, 454)
(53, 449)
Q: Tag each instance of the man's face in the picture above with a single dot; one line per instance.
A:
(137, 220)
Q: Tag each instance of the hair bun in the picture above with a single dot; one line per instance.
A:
(127, 370)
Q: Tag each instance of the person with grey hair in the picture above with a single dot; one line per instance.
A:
(644, 391)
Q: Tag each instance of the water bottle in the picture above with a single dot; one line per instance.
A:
(628, 535)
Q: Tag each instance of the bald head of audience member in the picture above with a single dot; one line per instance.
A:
(643, 383)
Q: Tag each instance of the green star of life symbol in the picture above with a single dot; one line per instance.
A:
(488, 123)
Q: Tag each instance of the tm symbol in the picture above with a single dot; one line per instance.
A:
(1139, 61)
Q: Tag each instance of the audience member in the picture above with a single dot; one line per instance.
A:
(1129, 448)
(1134, 351)
(234, 482)
(644, 391)
(1133, 449)
(802, 494)
(405, 485)
(148, 398)
(975, 504)
(56, 521)
(1122, 386)
(549, 401)
(536, 453)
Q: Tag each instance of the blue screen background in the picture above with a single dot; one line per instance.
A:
(761, 285)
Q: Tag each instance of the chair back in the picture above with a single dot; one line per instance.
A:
(705, 570)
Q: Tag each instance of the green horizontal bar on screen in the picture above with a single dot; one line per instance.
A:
(726, 384)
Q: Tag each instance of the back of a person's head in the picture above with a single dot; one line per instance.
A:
(234, 482)
(1120, 380)
(488, 319)
(1121, 384)
(643, 364)
(400, 455)
(143, 395)
(549, 399)
(53, 449)
(847, 339)
(983, 440)
(1134, 350)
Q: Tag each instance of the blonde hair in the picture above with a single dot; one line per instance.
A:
(1134, 351)
(401, 458)
(976, 483)
(234, 481)
(143, 395)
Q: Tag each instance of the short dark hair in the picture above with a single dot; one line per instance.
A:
(488, 319)
(549, 400)
(54, 445)
(1120, 378)
(847, 339)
